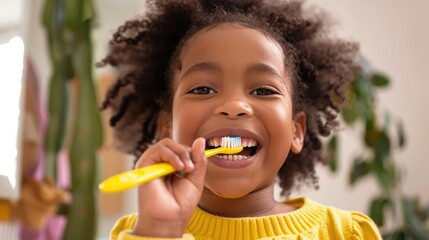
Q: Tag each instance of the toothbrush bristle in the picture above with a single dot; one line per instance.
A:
(231, 142)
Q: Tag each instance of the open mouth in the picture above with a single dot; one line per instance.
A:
(250, 147)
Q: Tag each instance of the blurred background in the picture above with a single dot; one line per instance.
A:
(394, 41)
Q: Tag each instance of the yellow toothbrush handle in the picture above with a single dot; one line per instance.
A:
(224, 150)
(214, 151)
(129, 179)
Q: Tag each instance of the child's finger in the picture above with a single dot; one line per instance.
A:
(167, 150)
(200, 162)
(184, 153)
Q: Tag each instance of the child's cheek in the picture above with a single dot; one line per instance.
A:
(184, 126)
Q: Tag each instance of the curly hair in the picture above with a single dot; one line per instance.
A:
(145, 50)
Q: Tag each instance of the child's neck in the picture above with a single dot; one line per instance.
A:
(258, 203)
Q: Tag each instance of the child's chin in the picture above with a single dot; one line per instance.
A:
(230, 193)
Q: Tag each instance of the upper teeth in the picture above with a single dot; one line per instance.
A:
(245, 142)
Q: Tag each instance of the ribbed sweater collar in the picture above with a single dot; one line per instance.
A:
(308, 214)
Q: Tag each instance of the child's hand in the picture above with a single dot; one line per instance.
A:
(166, 204)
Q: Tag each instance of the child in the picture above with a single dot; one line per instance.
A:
(193, 71)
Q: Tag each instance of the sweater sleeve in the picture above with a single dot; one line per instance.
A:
(123, 227)
(364, 228)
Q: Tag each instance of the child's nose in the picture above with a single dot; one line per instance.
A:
(235, 108)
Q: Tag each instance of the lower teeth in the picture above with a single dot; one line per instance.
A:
(232, 157)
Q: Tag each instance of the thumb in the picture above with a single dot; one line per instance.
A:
(200, 162)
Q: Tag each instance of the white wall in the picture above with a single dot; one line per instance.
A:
(394, 37)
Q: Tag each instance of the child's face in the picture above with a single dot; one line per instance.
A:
(233, 82)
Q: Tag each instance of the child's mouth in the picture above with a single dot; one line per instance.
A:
(250, 147)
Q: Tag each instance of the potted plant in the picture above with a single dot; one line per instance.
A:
(74, 125)
(398, 216)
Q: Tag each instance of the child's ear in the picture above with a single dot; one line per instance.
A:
(163, 125)
(299, 130)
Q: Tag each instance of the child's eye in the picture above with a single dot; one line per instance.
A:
(202, 90)
(262, 91)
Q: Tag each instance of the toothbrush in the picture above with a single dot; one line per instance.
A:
(132, 178)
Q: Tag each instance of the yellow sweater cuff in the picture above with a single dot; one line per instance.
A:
(127, 235)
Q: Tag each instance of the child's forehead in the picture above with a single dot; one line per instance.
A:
(215, 33)
(216, 43)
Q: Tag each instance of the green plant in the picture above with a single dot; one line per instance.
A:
(74, 119)
(381, 139)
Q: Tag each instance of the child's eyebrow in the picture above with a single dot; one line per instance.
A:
(254, 68)
(263, 68)
(203, 66)
(267, 69)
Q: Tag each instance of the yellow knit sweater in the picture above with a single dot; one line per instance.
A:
(310, 220)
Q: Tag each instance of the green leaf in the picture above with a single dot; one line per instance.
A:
(48, 11)
(89, 12)
(77, 12)
(377, 210)
(369, 125)
(371, 136)
(370, 115)
(360, 169)
(355, 110)
(401, 135)
(73, 10)
(421, 212)
(411, 221)
(350, 114)
(379, 80)
(333, 153)
(378, 140)
(363, 88)
(382, 146)
(384, 177)
(424, 214)
(396, 235)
